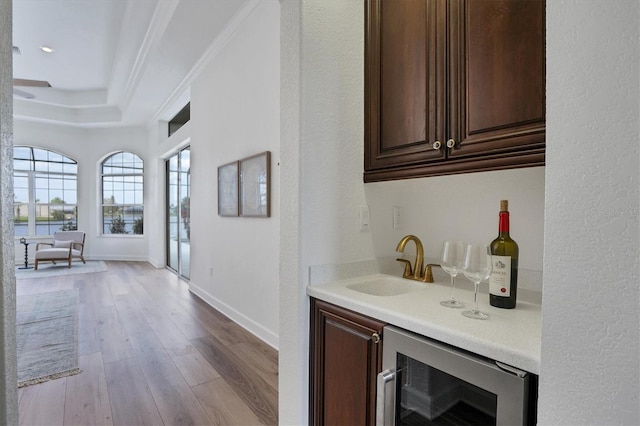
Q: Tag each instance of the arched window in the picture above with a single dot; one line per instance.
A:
(45, 186)
(122, 194)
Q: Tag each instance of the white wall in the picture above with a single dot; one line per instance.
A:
(463, 207)
(590, 371)
(89, 147)
(235, 114)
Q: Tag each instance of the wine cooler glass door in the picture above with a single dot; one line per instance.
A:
(429, 383)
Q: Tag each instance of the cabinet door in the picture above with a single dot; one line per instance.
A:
(345, 359)
(405, 55)
(497, 80)
(467, 72)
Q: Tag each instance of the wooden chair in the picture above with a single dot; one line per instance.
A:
(66, 245)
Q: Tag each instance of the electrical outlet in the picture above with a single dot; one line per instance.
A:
(396, 214)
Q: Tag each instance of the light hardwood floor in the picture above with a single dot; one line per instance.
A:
(152, 353)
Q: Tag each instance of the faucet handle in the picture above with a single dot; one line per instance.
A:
(407, 267)
(428, 273)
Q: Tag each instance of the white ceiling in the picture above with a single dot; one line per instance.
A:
(116, 62)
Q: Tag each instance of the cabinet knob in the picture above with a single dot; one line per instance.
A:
(437, 145)
(451, 143)
(375, 337)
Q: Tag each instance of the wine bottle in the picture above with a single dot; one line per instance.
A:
(503, 283)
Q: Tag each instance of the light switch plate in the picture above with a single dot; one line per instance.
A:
(364, 218)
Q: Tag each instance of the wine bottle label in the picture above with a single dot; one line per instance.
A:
(500, 280)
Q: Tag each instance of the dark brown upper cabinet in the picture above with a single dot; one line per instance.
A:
(453, 86)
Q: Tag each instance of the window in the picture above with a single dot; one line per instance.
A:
(45, 186)
(180, 119)
(122, 194)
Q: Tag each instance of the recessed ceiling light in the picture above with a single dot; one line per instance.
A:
(47, 49)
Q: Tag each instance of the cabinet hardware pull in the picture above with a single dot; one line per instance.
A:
(451, 143)
(437, 145)
(375, 337)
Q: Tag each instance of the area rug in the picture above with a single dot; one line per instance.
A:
(47, 336)
(61, 268)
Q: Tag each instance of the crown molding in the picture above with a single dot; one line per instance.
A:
(84, 116)
(161, 17)
(209, 55)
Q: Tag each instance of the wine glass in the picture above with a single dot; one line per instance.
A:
(477, 268)
(451, 262)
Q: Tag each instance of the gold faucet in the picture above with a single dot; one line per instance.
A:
(415, 273)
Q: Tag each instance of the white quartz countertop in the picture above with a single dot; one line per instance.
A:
(511, 336)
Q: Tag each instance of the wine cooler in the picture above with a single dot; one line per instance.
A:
(425, 382)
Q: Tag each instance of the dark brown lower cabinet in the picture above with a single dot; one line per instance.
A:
(345, 358)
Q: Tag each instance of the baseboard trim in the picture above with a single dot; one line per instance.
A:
(119, 258)
(105, 258)
(248, 324)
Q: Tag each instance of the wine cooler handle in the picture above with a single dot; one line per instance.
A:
(437, 145)
(384, 399)
(511, 369)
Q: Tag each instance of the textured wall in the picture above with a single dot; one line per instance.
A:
(8, 375)
(590, 364)
(292, 358)
(332, 115)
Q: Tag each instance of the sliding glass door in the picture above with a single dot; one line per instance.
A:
(178, 212)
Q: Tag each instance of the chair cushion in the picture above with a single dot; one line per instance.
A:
(76, 236)
(62, 244)
(54, 253)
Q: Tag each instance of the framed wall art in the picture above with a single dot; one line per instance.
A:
(255, 182)
(228, 184)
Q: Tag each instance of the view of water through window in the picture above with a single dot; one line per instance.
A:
(45, 192)
(122, 194)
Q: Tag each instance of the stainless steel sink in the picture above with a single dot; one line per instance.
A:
(387, 286)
